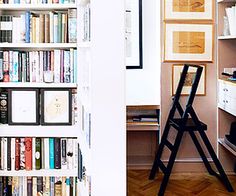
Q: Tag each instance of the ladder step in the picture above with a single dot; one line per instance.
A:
(162, 166)
(169, 145)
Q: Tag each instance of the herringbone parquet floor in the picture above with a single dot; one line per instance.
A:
(179, 185)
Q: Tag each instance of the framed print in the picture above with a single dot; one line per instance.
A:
(56, 106)
(23, 106)
(176, 74)
(188, 43)
(189, 9)
(133, 34)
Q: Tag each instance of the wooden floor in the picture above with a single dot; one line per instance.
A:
(179, 185)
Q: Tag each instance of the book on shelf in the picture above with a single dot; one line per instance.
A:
(35, 66)
(38, 185)
(49, 153)
(231, 16)
(37, 2)
(145, 118)
(43, 27)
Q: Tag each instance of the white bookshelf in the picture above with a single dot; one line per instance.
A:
(36, 85)
(41, 172)
(40, 7)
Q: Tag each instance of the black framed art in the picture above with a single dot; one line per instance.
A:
(133, 34)
(23, 107)
(56, 106)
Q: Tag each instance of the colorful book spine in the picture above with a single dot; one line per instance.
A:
(27, 27)
(51, 153)
(55, 28)
(3, 107)
(6, 77)
(72, 24)
(13, 152)
(17, 154)
(9, 154)
(22, 153)
(38, 153)
(67, 67)
(28, 153)
(1, 66)
(57, 153)
(15, 67)
(29, 186)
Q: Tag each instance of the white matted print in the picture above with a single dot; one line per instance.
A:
(176, 74)
(188, 42)
(189, 9)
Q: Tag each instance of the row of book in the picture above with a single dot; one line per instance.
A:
(38, 153)
(36, 1)
(59, 66)
(38, 186)
(51, 27)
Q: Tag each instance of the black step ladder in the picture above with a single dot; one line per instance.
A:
(190, 123)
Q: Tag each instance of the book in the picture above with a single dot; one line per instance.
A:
(22, 153)
(17, 154)
(8, 153)
(28, 153)
(34, 186)
(58, 188)
(9, 186)
(72, 24)
(63, 153)
(6, 77)
(38, 160)
(51, 153)
(57, 153)
(40, 186)
(13, 145)
(47, 28)
(1, 66)
(3, 107)
(41, 28)
(6, 29)
(29, 186)
(46, 153)
(27, 26)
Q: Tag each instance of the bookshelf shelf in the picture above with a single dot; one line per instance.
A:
(38, 131)
(222, 142)
(39, 7)
(38, 45)
(226, 37)
(42, 172)
(36, 85)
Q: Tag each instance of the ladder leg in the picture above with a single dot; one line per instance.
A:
(201, 152)
(159, 152)
(170, 163)
(219, 167)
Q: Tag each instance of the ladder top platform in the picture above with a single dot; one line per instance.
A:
(189, 126)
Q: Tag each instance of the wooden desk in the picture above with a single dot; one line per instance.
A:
(142, 139)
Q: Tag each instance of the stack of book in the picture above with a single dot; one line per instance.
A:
(57, 186)
(51, 27)
(38, 153)
(231, 16)
(34, 66)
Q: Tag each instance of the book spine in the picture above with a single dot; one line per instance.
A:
(46, 153)
(34, 186)
(51, 153)
(67, 67)
(1, 65)
(69, 153)
(33, 153)
(63, 153)
(4, 107)
(28, 71)
(63, 28)
(37, 30)
(29, 186)
(1, 154)
(5, 186)
(15, 66)
(55, 28)
(47, 28)
(63, 186)
(51, 21)
(9, 154)
(41, 28)
(17, 155)
(10, 66)
(67, 186)
(47, 186)
(6, 77)
(5, 153)
(20, 67)
(61, 66)
(28, 153)
(9, 186)
(1, 186)
(13, 152)
(57, 153)
(22, 153)
(75, 66)
(59, 33)
(71, 65)
(39, 186)
(38, 154)
(52, 188)
(72, 23)
(27, 27)
(58, 188)
(57, 70)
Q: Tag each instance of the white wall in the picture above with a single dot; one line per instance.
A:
(143, 85)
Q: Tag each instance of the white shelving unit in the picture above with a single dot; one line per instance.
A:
(36, 85)
(44, 46)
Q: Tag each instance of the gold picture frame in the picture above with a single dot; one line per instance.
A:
(188, 42)
(176, 74)
(189, 10)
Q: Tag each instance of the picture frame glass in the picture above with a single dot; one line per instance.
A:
(56, 106)
(189, 9)
(176, 74)
(23, 111)
(133, 34)
(189, 42)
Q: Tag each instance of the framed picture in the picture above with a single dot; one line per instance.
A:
(188, 43)
(189, 9)
(23, 106)
(56, 106)
(133, 34)
(176, 74)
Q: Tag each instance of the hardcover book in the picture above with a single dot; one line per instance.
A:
(4, 107)
(72, 25)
